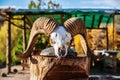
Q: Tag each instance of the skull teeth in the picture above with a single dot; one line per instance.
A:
(62, 51)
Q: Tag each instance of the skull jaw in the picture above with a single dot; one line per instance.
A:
(60, 53)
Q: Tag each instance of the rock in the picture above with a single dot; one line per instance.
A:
(15, 70)
(3, 74)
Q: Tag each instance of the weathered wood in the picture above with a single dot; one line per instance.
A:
(52, 68)
(8, 49)
(24, 41)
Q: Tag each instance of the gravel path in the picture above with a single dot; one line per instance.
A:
(20, 75)
(25, 75)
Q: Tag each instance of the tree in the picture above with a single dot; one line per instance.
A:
(50, 4)
(32, 4)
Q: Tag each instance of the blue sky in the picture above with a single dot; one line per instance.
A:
(111, 4)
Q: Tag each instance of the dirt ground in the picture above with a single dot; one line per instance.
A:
(25, 75)
(20, 75)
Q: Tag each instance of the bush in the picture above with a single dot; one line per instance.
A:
(18, 48)
(2, 58)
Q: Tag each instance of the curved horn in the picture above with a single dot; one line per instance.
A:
(41, 25)
(76, 26)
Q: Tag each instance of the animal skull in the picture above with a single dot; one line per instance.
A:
(60, 36)
(60, 40)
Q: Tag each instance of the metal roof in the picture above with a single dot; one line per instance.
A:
(92, 17)
(89, 10)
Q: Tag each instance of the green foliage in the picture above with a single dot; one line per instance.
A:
(3, 44)
(16, 42)
(32, 4)
(15, 33)
(42, 42)
(3, 39)
(38, 6)
(50, 4)
(18, 48)
(2, 58)
(118, 56)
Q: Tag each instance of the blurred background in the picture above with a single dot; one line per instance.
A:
(96, 42)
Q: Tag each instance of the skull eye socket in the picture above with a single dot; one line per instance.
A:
(67, 43)
(52, 42)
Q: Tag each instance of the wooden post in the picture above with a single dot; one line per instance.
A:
(24, 41)
(107, 38)
(61, 18)
(114, 33)
(84, 18)
(8, 47)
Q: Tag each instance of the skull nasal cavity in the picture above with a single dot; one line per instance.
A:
(62, 47)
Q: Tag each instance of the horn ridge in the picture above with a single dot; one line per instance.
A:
(75, 26)
(41, 25)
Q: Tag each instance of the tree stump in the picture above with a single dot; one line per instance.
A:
(52, 68)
